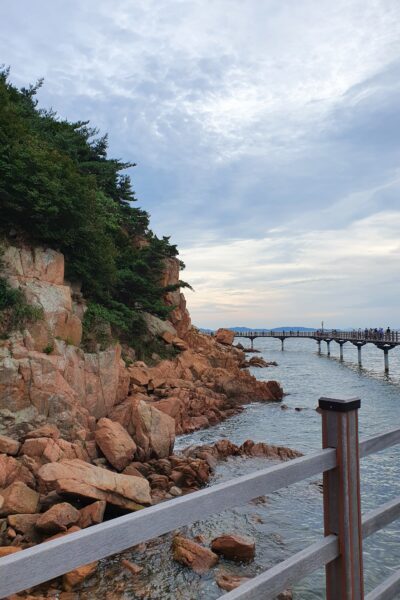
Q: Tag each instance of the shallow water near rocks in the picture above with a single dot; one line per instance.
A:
(289, 520)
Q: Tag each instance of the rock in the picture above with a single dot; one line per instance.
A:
(49, 430)
(134, 569)
(234, 547)
(175, 491)
(58, 518)
(192, 555)
(25, 525)
(286, 595)
(225, 336)
(179, 344)
(19, 499)
(228, 581)
(115, 443)
(92, 514)
(9, 445)
(76, 577)
(83, 479)
(152, 430)
(139, 375)
(6, 550)
(12, 470)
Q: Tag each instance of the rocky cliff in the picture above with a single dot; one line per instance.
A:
(45, 376)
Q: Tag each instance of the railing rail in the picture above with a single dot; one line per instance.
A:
(356, 335)
(45, 561)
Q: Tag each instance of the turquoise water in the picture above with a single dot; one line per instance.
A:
(289, 520)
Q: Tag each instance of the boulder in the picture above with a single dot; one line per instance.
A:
(75, 477)
(229, 581)
(25, 525)
(152, 430)
(234, 547)
(58, 518)
(225, 336)
(49, 430)
(192, 555)
(115, 443)
(19, 499)
(12, 470)
(9, 445)
(92, 514)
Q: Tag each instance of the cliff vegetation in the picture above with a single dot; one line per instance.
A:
(58, 187)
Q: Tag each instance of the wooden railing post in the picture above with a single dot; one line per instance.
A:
(342, 506)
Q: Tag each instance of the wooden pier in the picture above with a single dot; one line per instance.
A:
(339, 550)
(384, 341)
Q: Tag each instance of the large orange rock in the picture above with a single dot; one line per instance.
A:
(92, 514)
(115, 443)
(12, 470)
(152, 430)
(225, 336)
(234, 547)
(58, 518)
(192, 555)
(9, 445)
(18, 498)
(75, 477)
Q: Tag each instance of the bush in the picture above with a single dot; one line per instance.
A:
(15, 312)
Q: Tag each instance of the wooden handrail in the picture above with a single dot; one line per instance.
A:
(45, 561)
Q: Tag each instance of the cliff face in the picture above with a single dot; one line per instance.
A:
(45, 375)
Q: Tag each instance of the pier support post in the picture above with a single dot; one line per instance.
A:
(342, 506)
(341, 344)
(283, 344)
(319, 346)
(252, 343)
(328, 345)
(359, 355)
(386, 358)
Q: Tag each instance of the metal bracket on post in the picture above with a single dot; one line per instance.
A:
(342, 506)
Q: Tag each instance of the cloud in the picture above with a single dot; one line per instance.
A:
(266, 135)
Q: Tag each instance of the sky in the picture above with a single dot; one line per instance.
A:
(266, 135)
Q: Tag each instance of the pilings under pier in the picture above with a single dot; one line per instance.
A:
(385, 348)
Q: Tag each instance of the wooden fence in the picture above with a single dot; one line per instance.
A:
(340, 550)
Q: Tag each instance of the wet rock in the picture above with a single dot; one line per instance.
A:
(115, 443)
(9, 445)
(286, 595)
(18, 498)
(58, 518)
(92, 514)
(76, 577)
(78, 478)
(228, 581)
(234, 547)
(192, 555)
(134, 569)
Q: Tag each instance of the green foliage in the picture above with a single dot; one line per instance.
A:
(15, 312)
(58, 187)
(48, 349)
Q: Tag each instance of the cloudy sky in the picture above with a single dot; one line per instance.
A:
(266, 133)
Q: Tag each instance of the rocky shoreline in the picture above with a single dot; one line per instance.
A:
(86, 436)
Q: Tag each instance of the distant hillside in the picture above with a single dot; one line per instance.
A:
(292, 328)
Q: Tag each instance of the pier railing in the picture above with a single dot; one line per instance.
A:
(340, 550)
(368, 335)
